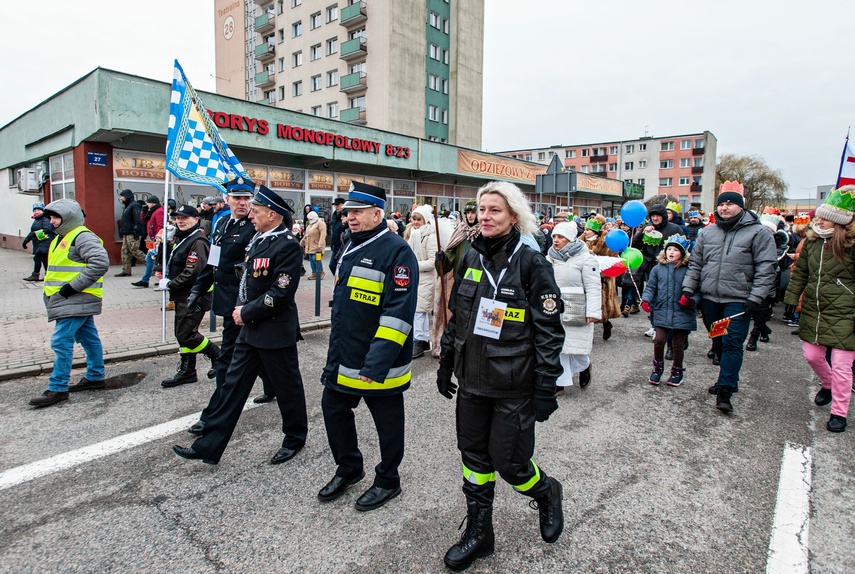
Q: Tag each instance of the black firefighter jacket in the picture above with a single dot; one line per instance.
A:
(223, 277)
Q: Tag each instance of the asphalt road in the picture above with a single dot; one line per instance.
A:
(655, 478)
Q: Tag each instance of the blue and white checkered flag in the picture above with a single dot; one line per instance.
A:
(194, 149)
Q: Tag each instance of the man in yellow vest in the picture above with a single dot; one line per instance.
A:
(73, 291)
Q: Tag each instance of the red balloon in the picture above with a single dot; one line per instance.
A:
(615, 270)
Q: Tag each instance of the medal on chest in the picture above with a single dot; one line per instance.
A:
(260, 266)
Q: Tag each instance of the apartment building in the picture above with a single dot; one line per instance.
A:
(406, 66)
(679, 165)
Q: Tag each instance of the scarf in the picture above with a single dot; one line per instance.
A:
(728, 224)
(567, 251)
(823, 233)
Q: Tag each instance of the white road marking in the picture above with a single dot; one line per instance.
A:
(788, 548)
(66, 460)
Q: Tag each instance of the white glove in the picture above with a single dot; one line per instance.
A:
(163, 284)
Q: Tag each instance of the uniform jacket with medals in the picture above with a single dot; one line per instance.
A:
(266, 292)
(531, 338)
(232, 252)
(374, 301)
(186, 262)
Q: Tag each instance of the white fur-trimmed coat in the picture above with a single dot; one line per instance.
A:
(581, 270)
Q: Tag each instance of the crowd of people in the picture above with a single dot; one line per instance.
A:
(506, 303)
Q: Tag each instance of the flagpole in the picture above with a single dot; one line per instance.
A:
(163, 246)
(842, 158)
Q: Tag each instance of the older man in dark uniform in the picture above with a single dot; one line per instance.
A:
(370, 347)
(267, 314)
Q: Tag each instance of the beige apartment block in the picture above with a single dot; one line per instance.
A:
(413, 67)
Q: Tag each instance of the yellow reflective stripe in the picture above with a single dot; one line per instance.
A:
(365, 284)
(211, 288)
(391, 334)
(187, 350)
(389, 383)
(514, 314)
(363, 297)
(478, 478)
(62, 269)
(531, 482)
(473, 275)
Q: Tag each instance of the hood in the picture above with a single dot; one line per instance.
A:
(658, 208)
(426, 211)
(69, 211)
(126, 195)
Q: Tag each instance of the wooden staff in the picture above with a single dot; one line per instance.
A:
(441, 270)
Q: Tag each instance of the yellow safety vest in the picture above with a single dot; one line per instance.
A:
(62, 269)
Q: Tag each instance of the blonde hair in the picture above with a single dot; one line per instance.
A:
(663, 259)
(517, 204)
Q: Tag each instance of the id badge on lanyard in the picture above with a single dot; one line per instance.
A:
(491, 313)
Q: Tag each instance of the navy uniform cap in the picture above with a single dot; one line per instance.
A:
(270, 199)
(240, 187)
(362, 195)
(186, 211)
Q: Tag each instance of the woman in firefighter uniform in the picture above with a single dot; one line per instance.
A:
(503, 344)
(189, 256)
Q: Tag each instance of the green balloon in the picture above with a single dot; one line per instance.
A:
(632, 257)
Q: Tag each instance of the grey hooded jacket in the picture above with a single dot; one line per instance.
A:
(733, 267)
(87, 249)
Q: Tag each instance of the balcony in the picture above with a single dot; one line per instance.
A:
(599, 158)
(697, 151)
(265, 52)
(352, 49)
(353, 14)
(262, 2)
(265, 80)
(353, 82)
(696, 187)
(697, 170)
(353, 115)
(265, 23)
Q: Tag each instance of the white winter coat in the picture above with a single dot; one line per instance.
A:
(423, 243)
(581, 270)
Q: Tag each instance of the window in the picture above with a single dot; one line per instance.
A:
(297, 59)
(281, 64)
(297, 89)
(360, 67)
(315, 52)
(62, 176)
(642, 147)
(598, 168)
(332, 78)
(642, 164)
(280, 35)
(280, 6)
(528, 157)
(296, 29)
(315, 21)
(684, 181)
(356, 102)
(316, 84)
(699, 144)
(433, 139)
(445, 26)
(541, 156)
(586, 152)
(584, 169)
(685, 144)
(434, 52)
(640, 181)
(627, 166)
(445, 117)
(434, 20)
(666, 164)
(433, 113)
(613, 150)
(332, 109)
(316, 111)
(281, 92)
(598, 151)
(332, 13)
(295, 3)
(629, 148)
(270, 96)
(332, 46)
(666, 146)
(445, 57)
(433, 82)
(570, 153)
(665, 181)
(612, 167)
(684, 162)
(360, 33)
(628, 180)
(699, 162)
(445, 86)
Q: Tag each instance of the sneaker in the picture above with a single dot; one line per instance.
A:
(140, 284)
(650, 332)
(793, 323)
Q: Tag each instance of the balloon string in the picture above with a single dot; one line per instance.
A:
(632, 278)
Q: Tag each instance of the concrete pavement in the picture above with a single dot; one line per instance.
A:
(130, 324)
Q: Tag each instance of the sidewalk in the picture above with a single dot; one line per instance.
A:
(130, 323)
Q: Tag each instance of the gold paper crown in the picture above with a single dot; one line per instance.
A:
(801, 220)
(770, 210)
(734, 186)
(674, 206)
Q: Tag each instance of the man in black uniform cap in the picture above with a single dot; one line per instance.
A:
(270, 329)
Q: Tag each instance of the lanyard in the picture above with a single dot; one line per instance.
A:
(493, 282)
(351, 249)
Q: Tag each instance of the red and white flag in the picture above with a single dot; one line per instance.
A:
(847, 166)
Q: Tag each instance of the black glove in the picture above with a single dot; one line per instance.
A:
(751, 307)
(193, 303)
(443, 375)
(545, 402)
(67, 291)
(24, 244)
(440, 256)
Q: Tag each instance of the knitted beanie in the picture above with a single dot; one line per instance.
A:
(839, 206)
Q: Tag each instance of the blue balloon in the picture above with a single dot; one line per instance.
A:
(617, 240)
(633, 213)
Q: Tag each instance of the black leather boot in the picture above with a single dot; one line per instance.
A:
(212, 351)
(478, 539)
(752, 341)
(186, 372)
(551, 514)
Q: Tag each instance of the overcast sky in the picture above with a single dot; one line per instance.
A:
(775, 78)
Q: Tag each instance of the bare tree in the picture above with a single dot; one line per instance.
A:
(764, 187)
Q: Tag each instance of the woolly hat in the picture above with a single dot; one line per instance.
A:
(566, 230)
(426, 211)
(731, 191)
(839, 206)
(769, 221)
(312, 216)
